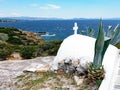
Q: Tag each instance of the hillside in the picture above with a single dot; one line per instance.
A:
(18, 44)
(18, 37)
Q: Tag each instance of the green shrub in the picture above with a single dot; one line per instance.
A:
(17, 37)
(16, 48)
(15, 40)
(9, 31)
(5, 51)
(3, 36)
(28, 52)
(49, 48)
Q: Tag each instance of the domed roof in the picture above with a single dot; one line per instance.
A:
(75, 47)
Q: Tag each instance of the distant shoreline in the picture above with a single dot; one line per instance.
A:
(1, 20)
(54, 18)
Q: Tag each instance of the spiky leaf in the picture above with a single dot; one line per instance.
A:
(115, 35)
(99, 45)
(106, 44)
(91, 33)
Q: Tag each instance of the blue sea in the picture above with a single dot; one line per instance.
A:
(62, 28)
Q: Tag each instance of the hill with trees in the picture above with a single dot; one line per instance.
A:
(25, 43)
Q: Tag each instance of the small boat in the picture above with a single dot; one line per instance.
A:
(40, 33)
(48, 35)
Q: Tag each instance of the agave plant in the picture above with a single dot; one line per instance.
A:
(114, 34)
(101, 46)
(96, 70)
(88, 32)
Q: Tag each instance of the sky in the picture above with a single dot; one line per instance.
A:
(60, 8)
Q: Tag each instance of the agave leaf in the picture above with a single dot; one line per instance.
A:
(82, 32)
(99, 45)
(116, 35)
(91, 33)
(109, 31)
(87, 31)
(106, 44)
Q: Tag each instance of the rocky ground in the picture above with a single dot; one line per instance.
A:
(17, 75)
(9, 70)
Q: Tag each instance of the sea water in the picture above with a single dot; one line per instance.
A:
(61, 28)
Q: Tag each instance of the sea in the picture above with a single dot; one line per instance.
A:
(60, 28)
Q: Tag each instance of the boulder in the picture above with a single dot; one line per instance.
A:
(15, 56)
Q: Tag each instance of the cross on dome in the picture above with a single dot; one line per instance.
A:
(75, 28)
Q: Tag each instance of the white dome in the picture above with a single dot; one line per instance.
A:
(75, 46)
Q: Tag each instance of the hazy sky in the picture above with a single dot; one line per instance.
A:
(61, 8)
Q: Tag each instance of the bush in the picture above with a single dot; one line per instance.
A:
(3, 36)
(15, 40)
(49, 48)
(17, 37)
(5, 51)
(28, 52)
(9, 31)
(16, 48)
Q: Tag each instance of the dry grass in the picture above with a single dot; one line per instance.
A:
(48, 81)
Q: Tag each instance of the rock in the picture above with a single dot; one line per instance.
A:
(35, 67)
(15, 56)
(71, 70)
(81, 70)
(75, 62)
(66, 66)
(40, 71)
(84, 61)
(62, 67)
(78, 80)
(44, 68)
(60, 72)
(94, 88)
(74, 66)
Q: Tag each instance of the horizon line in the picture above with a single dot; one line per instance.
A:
(36, 17)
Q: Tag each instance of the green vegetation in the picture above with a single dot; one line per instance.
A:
(18, 37)
(49, 48)
(96, 71)
(118, 45)
(101, 46)
(49, 80)
(26, 43)
(29, 52)
(88, 32)
(113, 34)
(5, 50)
(3, 37)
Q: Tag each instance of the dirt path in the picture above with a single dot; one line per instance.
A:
(9, 70)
